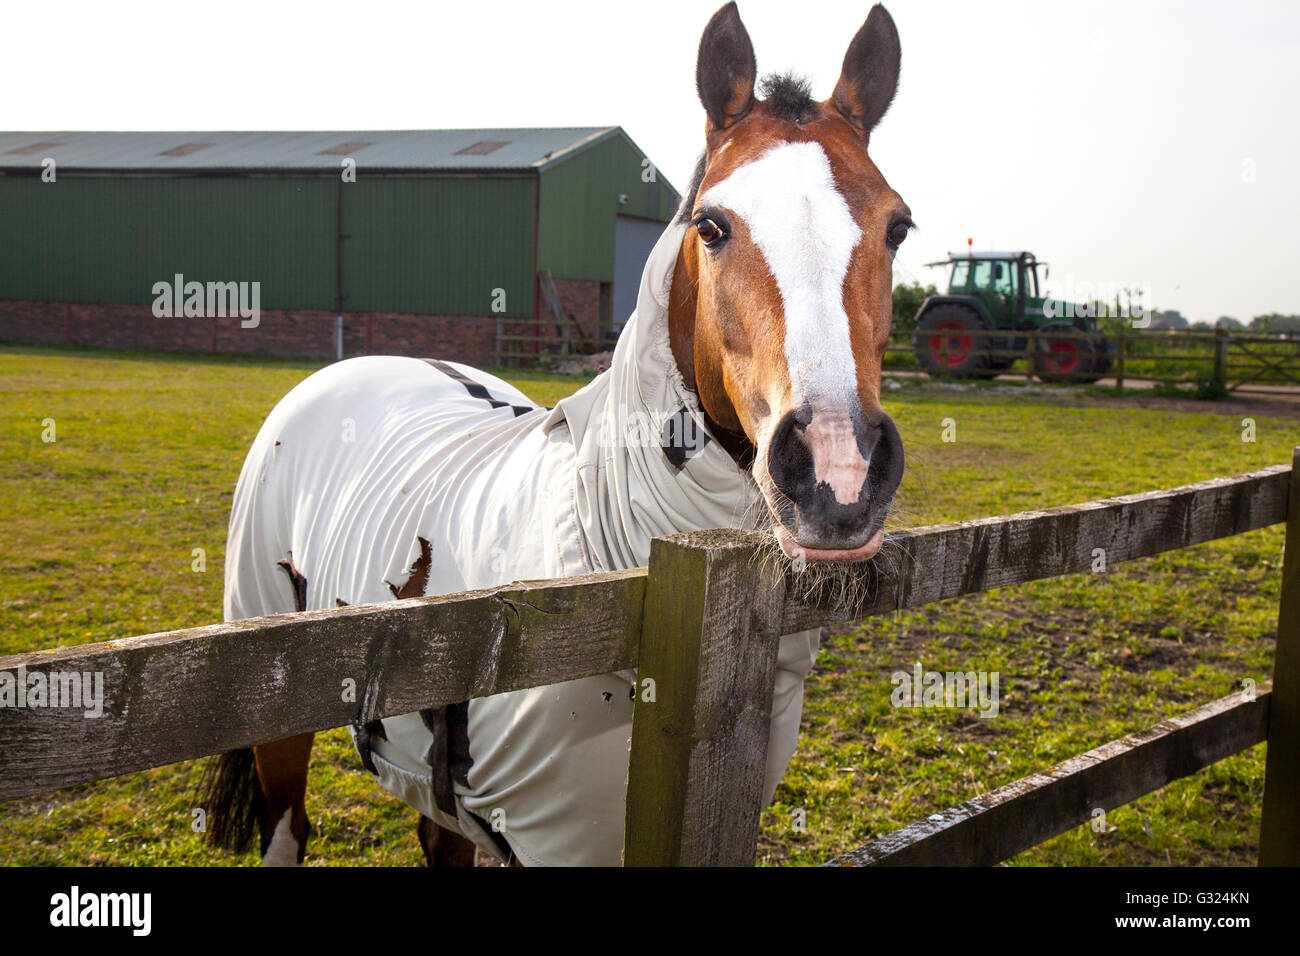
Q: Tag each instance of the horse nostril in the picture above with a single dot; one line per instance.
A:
(789, 460)
(887, 458)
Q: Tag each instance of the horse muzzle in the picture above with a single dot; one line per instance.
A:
(835, 476)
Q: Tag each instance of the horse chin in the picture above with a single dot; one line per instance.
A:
(793, 549)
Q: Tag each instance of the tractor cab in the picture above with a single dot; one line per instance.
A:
(1007, 282)
(1006, 275)
(971, 330)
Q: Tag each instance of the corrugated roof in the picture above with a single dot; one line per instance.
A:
(465, 150)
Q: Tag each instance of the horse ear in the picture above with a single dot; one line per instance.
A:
(869, 77)
(726, 69)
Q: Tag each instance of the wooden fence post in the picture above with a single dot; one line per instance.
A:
(1119, 360)
(1031, 353)
(1279, 838)
(1221, 355)
(709, 643)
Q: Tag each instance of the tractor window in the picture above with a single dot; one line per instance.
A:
(1030, 282)
(960, 277)
(992, 276)
(1001, 277)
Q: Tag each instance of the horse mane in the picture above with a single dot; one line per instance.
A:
(788, 97)
(692, 191)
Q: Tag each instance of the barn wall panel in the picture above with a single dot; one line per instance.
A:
(93, 239)
(439, 245)
(579, 203)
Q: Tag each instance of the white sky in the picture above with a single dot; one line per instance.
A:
(1124, 142)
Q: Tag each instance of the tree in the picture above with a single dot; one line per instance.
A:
(907, 301)
(1275, 323)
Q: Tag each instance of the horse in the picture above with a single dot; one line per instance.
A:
(744, 391)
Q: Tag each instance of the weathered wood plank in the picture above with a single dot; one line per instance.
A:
(210, 691)
(1279, 837)
(709, 642)
(945, 561)
(1011, 819)
(205, 690)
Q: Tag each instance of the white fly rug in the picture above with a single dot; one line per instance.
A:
(377, 471)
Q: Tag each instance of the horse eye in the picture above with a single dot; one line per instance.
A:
(709, 231)
(897, 233)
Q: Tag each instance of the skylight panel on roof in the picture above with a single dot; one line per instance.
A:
(342, 149)
(185, 149)
(482, 147)
(33, 148)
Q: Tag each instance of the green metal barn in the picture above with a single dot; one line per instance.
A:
(482, 245)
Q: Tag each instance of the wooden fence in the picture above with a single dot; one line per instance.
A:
(703, 620)
(1237, 360)
(532, 340)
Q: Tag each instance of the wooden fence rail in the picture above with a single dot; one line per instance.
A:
(1236, 359)
(1021, 815)
(703, 622)
(205, 690)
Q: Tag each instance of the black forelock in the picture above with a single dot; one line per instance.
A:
(788, 97)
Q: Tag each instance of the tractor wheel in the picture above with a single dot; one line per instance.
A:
(1065, 354)
(944, 346)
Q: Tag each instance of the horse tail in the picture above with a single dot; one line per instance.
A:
(231, 795)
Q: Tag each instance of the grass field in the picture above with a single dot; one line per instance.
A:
(100, 527)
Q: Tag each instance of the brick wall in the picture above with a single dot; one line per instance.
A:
(581, 299)
(291, 333)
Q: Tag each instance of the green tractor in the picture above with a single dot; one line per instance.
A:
(998, 292)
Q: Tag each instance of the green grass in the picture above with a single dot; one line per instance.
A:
(100, 527)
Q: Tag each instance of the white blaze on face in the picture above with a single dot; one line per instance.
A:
(801, 224)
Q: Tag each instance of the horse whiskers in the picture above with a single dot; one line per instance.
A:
(843, 587)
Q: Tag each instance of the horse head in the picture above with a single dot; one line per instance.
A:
(781, 298)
